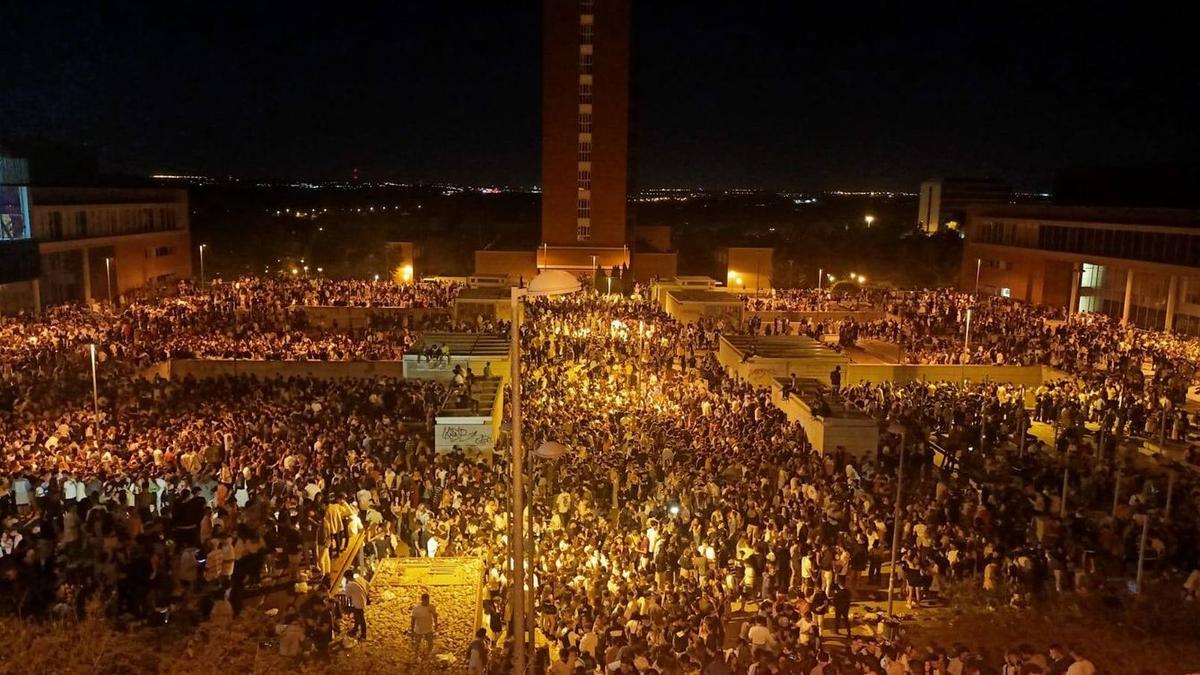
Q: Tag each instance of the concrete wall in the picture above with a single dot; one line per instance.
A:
(691, 312)
(647, 266)
(1029, 376)
(749, 269)
(514, 264)
(858, 435)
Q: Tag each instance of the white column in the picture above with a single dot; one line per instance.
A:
(1172, 302)
(1076, 280)
(87, 276)
(1128, 297)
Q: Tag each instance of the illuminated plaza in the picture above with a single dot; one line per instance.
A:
(576, 419)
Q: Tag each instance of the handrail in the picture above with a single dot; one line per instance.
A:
(346, 560)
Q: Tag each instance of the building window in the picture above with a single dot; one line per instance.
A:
(585, 182)
(160, 251)
(583, 229)
(584, 208)
(585, 151)
(585, 6)
(55, 221)
(81, 223)
(585, 64)
(585, 93)
(585, 123)
(585, 33)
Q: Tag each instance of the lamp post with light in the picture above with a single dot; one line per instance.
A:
(202, 247)
(108, 278)
(550, 450)
(870, 219)
(898, 515)
(548, 283)
(95, 393)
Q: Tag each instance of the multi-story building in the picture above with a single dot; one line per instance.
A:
(585, 133)
(63, 244)
(1138, 265)
(585, 220)
(944, 200)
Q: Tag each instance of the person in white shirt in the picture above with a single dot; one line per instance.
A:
(424, 624)
(356, 595)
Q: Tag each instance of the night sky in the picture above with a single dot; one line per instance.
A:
(733, 94)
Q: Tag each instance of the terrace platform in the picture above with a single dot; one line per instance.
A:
(489, 302)
(838, 425)
(473, 350)
(760, 359)
(459, 425)
(690, 305)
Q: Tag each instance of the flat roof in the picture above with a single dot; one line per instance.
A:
(783, 347)
(809, 390)
(464, 344)
(485, 293)
(1106, 215)
(703, 295)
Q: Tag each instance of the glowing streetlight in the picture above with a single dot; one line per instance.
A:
(546, 284)
(862, 279)
(202, 247)
(870, 219)
(108, 277)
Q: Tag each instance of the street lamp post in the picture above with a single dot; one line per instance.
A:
(978, 270)
(108, 278)
(95, 393)
(548, 283)
(202, 247)
(897, 517)
(820, 277)
(870, 219)
(967, 336)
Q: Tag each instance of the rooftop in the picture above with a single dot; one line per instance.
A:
(465, 344)
(1109, 215)
(783, 347)
(700, 295)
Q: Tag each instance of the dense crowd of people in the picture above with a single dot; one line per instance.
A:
(688, 505)
(250, 318)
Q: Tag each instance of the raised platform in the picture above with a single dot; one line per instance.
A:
(474, 350)
(760, 359)
(454, 587)
(837, 426)
(690, 305)
(459, 425)
(488, 302)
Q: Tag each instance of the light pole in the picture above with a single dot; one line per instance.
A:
(870, 219)
(95, 393)
(202, 247)
(108, 278)
(897, 517)
(820, 277)
(967, 336)
(550, 450)
(548, 283)
(978, 270)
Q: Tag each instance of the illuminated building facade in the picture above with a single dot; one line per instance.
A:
(1138, 265)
